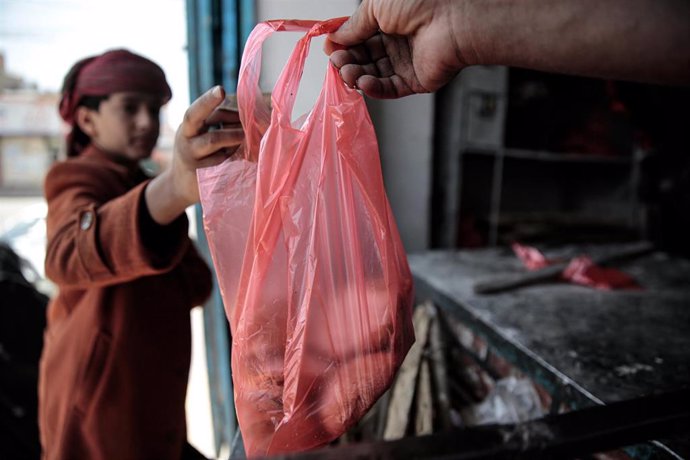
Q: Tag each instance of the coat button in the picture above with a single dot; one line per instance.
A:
(86, 220)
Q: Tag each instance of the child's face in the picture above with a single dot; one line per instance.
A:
(125, 124)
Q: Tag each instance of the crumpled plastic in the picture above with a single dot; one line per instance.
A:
(512, 400)
(310, 264)
(531, 257)
(580, 270)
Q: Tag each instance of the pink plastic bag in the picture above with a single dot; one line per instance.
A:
(311, 268)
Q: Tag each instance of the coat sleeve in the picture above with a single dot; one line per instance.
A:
(96, 241)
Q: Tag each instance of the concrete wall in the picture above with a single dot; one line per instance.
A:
(403, 127)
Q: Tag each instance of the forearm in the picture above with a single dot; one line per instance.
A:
(163, 200)
(644, 40)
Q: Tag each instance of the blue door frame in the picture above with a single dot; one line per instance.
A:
(216, 33)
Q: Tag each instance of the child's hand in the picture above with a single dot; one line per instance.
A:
(197, 147)
(225, 115)
(169, 194)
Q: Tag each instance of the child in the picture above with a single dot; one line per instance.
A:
(114, 368)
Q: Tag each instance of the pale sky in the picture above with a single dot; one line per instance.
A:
(41, 39)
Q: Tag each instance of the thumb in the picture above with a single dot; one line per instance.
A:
(200, 110)
(358, 28)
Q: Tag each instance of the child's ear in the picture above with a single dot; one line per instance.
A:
(84, 118)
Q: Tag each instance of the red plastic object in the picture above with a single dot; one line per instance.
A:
(580, 270)
(310, 265)
(531, 257)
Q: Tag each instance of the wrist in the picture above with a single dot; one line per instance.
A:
(468, 31)
(163, 199)
(483, 29)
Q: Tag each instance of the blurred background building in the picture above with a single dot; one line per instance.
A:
(31, 133)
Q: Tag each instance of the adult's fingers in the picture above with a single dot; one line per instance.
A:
(360, 26)
(329, 47)
(342, 57)
(350, 73)
(211, 142)
(391, 87)
(375, 84)
(360, 53)
(195, 117)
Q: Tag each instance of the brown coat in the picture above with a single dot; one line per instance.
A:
(115, 363)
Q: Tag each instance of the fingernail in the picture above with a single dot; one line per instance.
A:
(217, 91)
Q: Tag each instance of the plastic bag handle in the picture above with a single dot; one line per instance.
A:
(255, 113)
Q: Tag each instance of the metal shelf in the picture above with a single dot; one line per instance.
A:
(500, 155)
(471, 119)
(543, 155)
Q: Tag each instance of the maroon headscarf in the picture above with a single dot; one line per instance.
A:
(111, 72)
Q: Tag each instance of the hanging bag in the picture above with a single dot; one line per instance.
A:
(309, 261)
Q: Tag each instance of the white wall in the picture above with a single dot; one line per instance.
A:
(404, 127)
(278, 47)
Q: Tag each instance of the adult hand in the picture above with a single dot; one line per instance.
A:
(169, 194)
(394, 48)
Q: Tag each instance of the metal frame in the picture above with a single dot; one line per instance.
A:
(216, 32)
(563, 390)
